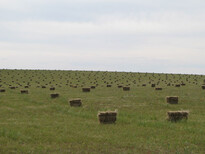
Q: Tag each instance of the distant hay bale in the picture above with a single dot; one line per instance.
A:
(26, 87)
(177, 85)
(107, 117)
(54, 95)
(92, 87)
(126, 88)
(144, 85)
(158, 88)
(172, 99)
(43, 87)
(153, 85)
(12, 87)
(2, 90)
(119, 86)
(24, 91)
(175, 116)
(52, 88)
(109, 85)
(203, 87)
(85, 89)
(75, 102)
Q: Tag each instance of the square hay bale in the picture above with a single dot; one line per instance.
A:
(158, 88)
(54, 95)
(12, 87)
(119, 86)
(203, 87)
(52, 88)
(126, 88)
(75, 102)
(43, 87)
(172, 99)
(107, 117)
(86, 89)
(175, 116)
(24, 91)
(2, 90)
(109, 85)
(144, 85)
(153, 85)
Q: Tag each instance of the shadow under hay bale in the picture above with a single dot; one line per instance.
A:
(172, 99)
(126, 88)
(86, 89)
(107, 117)
(52, 88)
(24, 91)
(75, 102)
(158, 88)
(2, 90)
(54, 95)
(175, 116)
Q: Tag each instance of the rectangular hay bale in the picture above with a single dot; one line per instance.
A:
(107, 117)
(177, 115)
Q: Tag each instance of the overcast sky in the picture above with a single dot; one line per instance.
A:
(109, 35)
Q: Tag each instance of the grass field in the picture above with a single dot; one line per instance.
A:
(36, 123)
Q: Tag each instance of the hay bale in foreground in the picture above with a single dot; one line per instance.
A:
(54, 95)
(86, 89)
(172, 99)
(24, 91)
(75, 102)
(126, 88)
(177, 115)
(107, 117)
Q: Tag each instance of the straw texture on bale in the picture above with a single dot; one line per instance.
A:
(86, 89)
(54, 95)
(107, 117)
(177, 115)
(172, 99)
(76, 102)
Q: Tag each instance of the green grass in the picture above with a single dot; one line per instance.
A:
(35, 123)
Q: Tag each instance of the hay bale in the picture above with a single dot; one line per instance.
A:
(119, 86)
(109, 85)
(76, 102)
(43, 87)
(54, 95)
(52, 88)
(153, 85)
(175, 116)
(24, 91)
(203, 87)
(12, 87)
(158, 88)
(86, 89)
(107, 117)
(126, 88)
(177, 85)
(172, 99)
(2, 90)
(144, 85)
(92, 87)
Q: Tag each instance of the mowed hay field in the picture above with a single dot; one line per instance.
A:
(33, 122)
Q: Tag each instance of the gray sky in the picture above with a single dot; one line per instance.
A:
(114, 35)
